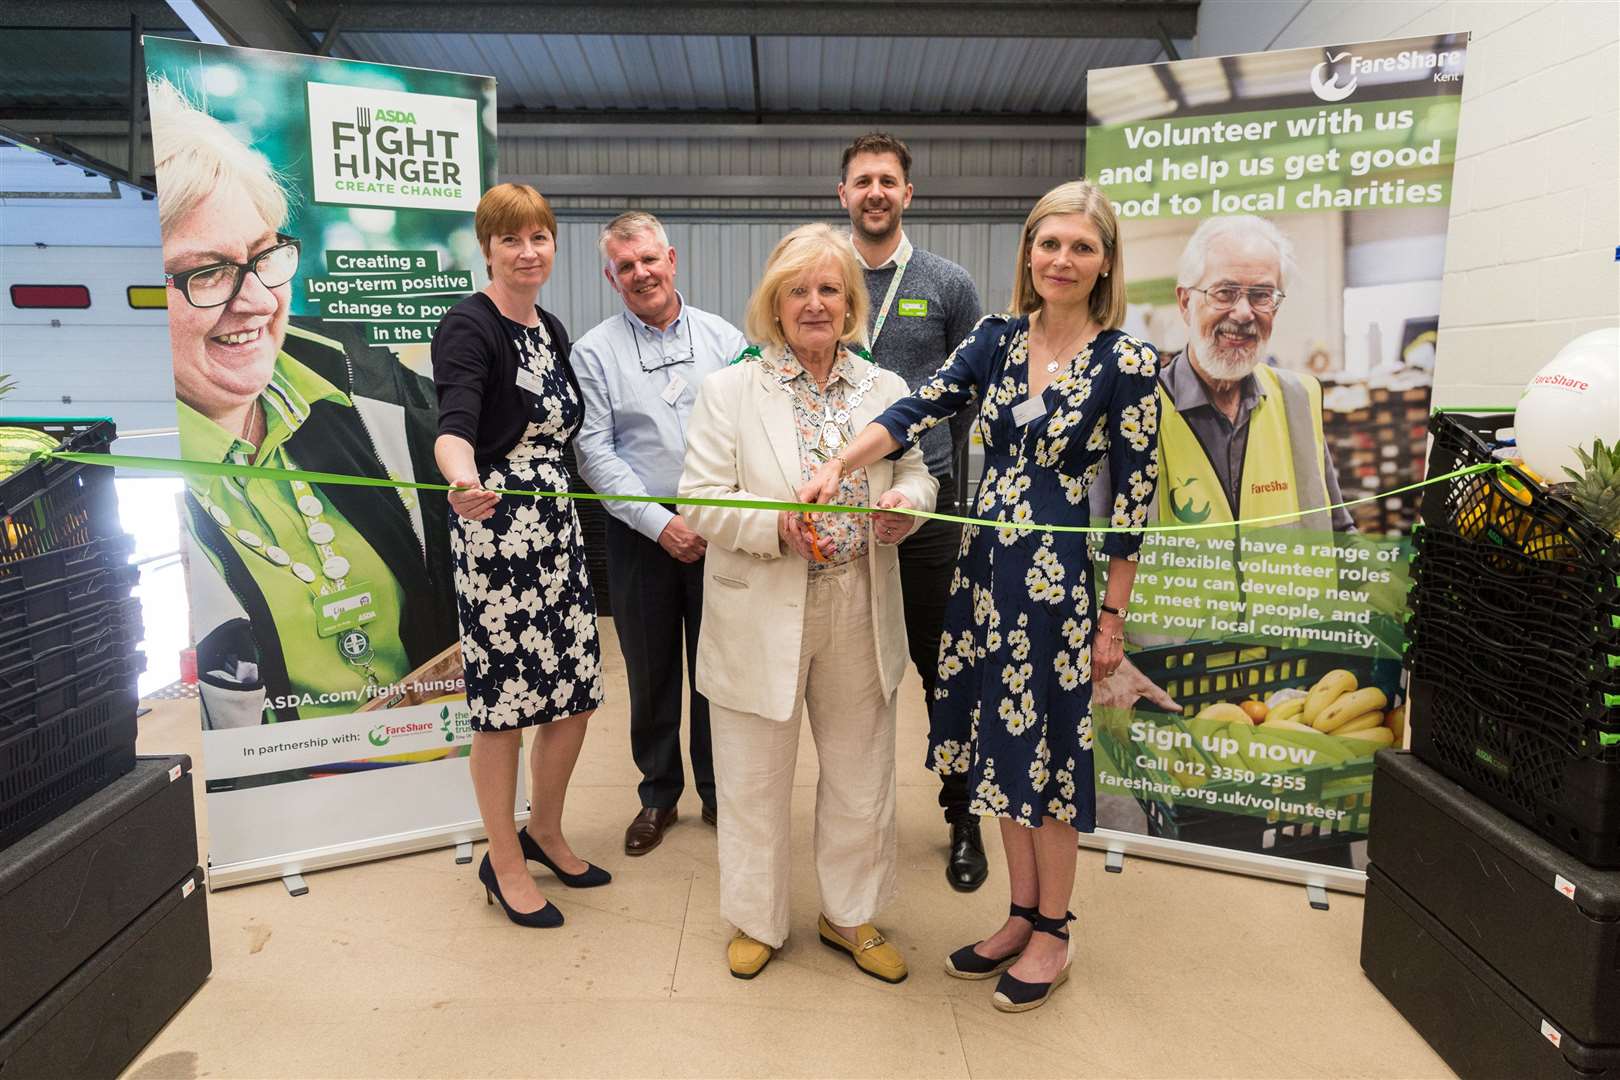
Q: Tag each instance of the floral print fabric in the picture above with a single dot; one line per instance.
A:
(1012, 706)
(841, 538)
(528, 619)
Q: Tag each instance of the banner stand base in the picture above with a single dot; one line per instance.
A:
(295, 885)
(291, 867)
(1116, 845)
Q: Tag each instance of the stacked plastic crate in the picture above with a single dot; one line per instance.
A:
(1493, 902)
(103, 926)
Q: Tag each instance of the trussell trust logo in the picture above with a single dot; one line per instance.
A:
(392, 148)
(1445, 66)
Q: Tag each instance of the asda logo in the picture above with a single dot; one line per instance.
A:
(393, 148)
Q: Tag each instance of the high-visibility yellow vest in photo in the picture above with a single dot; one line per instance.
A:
(1282, 473)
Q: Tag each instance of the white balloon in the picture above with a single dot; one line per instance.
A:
(1570, 402)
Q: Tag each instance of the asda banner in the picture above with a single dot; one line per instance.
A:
(317, 221)
(1283, 222)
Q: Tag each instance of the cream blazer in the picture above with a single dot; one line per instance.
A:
(742, 444)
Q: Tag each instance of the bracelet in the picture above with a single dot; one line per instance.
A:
(843, 465)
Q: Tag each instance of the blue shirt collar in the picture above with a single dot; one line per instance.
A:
(633, 321)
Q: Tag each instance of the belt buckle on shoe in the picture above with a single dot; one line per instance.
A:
(872, 942)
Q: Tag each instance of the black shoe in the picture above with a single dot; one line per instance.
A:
(588, 878)
(1014, 994)
(966, 868)
(711, 816)
(964, 963)
(546, 917)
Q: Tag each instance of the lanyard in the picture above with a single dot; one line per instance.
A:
(888, 299)
(344, 609)
(895, 289)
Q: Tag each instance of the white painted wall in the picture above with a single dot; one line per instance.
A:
(1530, 258)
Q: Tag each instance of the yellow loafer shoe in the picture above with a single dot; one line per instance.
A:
(747, 957)
(871, 953)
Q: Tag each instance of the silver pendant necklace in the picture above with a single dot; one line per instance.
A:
(1052, 364)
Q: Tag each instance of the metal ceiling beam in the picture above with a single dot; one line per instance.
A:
(770, 187)
(256, 24)
(768, 18)
(155, 15)
(913, 129)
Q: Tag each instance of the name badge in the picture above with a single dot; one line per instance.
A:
(345, 609)
(672, 392)
(1027, 410)
(911, 306)
(529, 381)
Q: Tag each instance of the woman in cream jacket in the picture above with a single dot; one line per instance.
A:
(802, 612)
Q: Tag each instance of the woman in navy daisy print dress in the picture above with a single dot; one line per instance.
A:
(1063, 395)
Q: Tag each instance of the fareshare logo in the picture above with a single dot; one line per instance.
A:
(384, 733)
(392, 148)
(1327, 87)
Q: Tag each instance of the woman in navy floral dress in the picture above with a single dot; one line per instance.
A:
(508, 405)
(1063, 394)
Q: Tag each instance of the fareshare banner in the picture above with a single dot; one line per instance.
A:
(1283, 219)
(317, 220)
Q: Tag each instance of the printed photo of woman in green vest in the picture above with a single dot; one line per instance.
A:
(308, 600)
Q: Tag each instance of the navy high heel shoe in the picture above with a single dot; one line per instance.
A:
(1014, 994)
(545, 918)
(964, 963)
(589, 878)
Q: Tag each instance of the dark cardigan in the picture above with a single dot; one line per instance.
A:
(475, 366)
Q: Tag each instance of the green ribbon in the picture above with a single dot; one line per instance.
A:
(188, 467)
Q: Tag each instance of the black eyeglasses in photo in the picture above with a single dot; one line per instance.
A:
(650, 364)
(1225, 297)
(217, 284)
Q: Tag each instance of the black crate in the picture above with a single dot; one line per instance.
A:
(50, 766)
(1201, 673)
(115, 669)
(63, 582)
(1521, 769)
(113, 855)
(95, 1022)
(1476, 1020)
(55, 504)
(1506, 509)
(75, 628)
(63, 648)
(1540, 917)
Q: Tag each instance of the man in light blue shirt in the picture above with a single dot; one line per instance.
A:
(639, 372)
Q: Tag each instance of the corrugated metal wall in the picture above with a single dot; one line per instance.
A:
(719, 262)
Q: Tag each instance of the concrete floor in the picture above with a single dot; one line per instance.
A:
(397, 968)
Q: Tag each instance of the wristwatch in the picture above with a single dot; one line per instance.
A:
(1121, 612)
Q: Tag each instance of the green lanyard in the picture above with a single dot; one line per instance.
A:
(888, 300)
(340, 610)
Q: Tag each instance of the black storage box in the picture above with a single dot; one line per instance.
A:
(1469, 1014)
(1546, 921)
(99, 1018)
(68, 888)
(48, 767)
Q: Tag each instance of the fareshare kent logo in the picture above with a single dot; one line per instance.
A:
(391, 148)
(1327, 86)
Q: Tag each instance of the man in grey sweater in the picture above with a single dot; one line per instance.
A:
(922, 307)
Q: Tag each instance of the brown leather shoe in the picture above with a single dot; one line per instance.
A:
(711, 816)
(647, 830)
